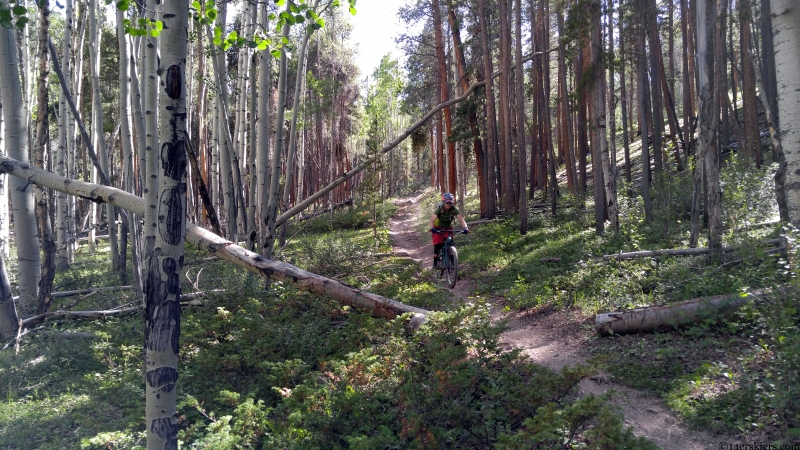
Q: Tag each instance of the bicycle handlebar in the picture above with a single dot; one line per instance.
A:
(463, 231)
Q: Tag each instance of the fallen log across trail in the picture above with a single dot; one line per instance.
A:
(222, 248)
(649, 319)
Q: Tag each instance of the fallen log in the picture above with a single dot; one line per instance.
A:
(649, 319)
(222, 248)
(622, 256)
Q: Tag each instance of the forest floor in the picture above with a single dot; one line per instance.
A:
(555, 339)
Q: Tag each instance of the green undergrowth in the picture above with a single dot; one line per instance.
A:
(735, 375)
(286, 369)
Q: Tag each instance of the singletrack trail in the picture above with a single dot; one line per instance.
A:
(556, 339)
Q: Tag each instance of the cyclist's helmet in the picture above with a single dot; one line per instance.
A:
(447, 197)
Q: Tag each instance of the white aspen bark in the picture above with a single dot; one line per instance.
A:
(599, 93)
(72, 140)
(64, 135)
(126, 138)
(274, 188)
(152, 156)
(252, 229)
(165, 261)
(16, 141)
(210, 242)
(786, 32)
(138, 121)
(97, 126)
(4, 217)
(227, 159)
(263, 138)
(9, 321)
(292, 150)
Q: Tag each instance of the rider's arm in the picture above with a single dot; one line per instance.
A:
(433, 220)
(463, 222)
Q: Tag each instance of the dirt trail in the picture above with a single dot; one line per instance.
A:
(556, 339)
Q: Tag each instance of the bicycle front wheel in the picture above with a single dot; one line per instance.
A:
(451, 267)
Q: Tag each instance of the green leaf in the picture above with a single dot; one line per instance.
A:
(123, 5)
(299, 19)
(233, 35)
(280, 2)
(154, 33)
(21, 22)
(321, 22)
(276, 53)
(158, 25)
(211, 13)
(336, 3)
(293, 8)
(19, 10)
(271, 16)
(6, 24)
(262, 45)
(352, 11)
(285, 40)
(290, 19)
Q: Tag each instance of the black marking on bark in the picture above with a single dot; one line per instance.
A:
(174, 82)
(169, 16)
(173, 159)
(164, 327)
(171, 214)
(7, 166)
(164, 428)
(162, 376)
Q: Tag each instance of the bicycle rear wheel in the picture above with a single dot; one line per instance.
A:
(451, 267)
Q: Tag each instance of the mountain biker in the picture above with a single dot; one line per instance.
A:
(442, 219)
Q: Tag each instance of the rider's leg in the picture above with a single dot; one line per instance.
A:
(436, 249)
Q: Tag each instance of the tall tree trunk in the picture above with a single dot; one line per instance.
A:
(786, 33)
(491, 124)
(436, 11)
(752, 143)
(5, 218)
(626, 106)
(162, 314)
(42, 139)
(551, 167)
(522, 199)
(128, 161)
(97, 125)
(16, 141)
(263, 140)
(709, 31)
(463, 76)
(605, 203)
(566, 124)
(655, 86)
(582, 64)
(298, 85)
(643, 110)
(274, 191)
(64, 134)
(768, 59)
(505, 87)
(151, 112)
(688, 114)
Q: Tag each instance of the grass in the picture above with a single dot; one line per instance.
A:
(286, 369)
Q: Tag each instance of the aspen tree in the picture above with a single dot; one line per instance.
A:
(786, 35)
(162, 314)
(16, 141)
